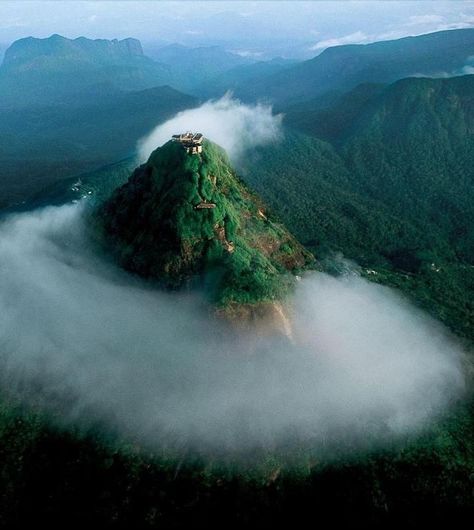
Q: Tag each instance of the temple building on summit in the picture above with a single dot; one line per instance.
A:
(192, 142)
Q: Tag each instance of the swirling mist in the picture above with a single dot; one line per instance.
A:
(231, 124)
(82, 338)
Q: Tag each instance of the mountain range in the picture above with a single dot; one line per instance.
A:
(191, 67)
(440, 54)
(59, 123)
(43, 71)
(38, 70)
(383, 176)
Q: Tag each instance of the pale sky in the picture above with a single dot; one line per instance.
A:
(286, 28)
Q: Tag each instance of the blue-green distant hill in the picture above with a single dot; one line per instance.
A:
(46, 70)
(49, 142)
(238, 78)
(344, 67)
(191, 67)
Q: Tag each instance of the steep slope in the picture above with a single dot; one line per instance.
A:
(186, 219)
(45, 70)
(330, 115)
(344, 67)
(394, 192)
(408, 146)
(413, 149)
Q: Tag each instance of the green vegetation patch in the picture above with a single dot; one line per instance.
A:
(187, 219)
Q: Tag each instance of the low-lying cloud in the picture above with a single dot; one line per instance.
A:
(83, 338)
(227, 122)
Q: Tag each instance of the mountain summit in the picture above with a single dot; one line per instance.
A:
(185, 219)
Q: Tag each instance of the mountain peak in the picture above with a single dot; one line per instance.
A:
(30, 49)
(57, 69)
(184, 218)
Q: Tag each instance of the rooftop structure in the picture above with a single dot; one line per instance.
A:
(192, 142)
(204, 205)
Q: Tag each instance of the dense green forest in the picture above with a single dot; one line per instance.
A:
(393, 191)
(381, 175)
(51, 475)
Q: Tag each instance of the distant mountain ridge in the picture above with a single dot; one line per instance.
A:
(192, 66)
(22, 51)
(344, 67)
(63, 139)
(38, 71)
(237, 78)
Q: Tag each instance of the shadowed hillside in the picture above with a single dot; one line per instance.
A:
(393, 191)
(53, 142)
(344, 67)
(47, 70)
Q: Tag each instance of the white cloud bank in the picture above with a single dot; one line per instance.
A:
(81, 337)
(358, 37)
(227, 122)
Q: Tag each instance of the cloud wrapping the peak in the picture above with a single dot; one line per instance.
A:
(234, 126)
(84, 339)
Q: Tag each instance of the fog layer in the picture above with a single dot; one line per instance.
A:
(226, 121)
(85, 339)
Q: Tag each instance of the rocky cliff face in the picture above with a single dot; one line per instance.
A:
(186, 220)
(30, 50)
(53, 69)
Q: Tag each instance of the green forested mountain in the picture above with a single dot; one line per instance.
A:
(408, 146)
(344, 67)
(413, 149)
(392, 191)
(183, 217)
(331, 114)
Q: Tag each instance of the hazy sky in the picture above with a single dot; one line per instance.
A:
(253, 27)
